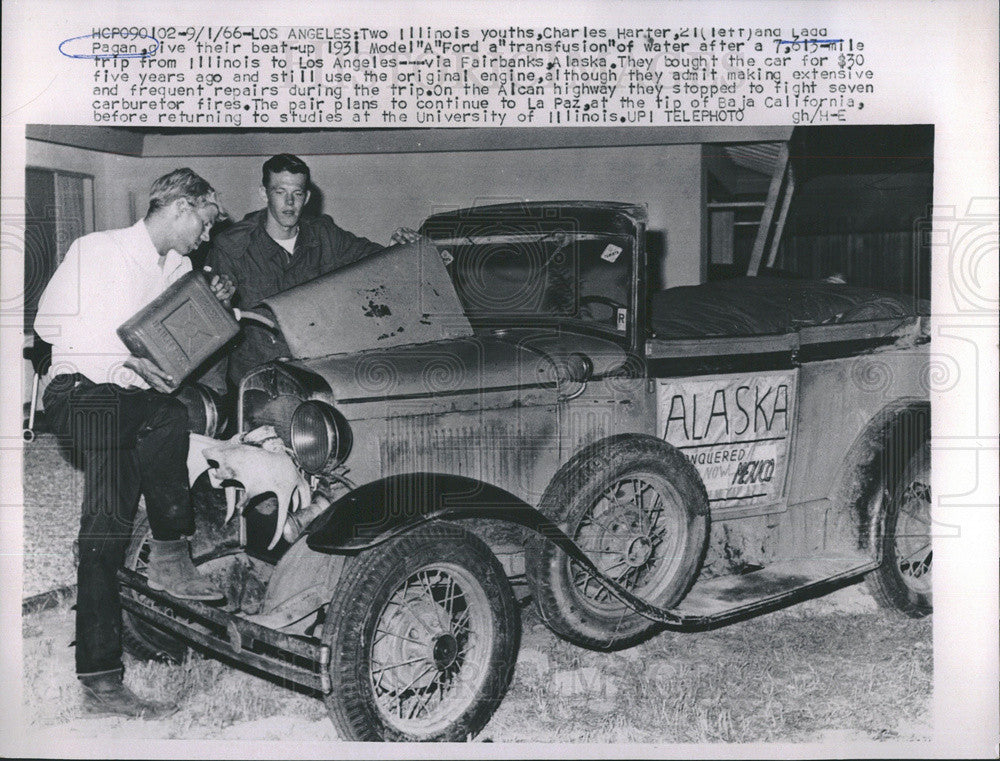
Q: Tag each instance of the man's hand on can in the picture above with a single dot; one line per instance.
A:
(150, 372)
(222, 286)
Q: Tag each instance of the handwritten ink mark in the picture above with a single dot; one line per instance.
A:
(113, 55)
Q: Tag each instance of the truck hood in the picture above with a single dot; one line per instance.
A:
(437, 369)
(529, 365)
(402, 295)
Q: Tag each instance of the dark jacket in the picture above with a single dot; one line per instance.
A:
(260, 268)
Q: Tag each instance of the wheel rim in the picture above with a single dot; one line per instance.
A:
(431, 649)
(635, 532)
(912, 541)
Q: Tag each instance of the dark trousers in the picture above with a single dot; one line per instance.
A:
(126, 441)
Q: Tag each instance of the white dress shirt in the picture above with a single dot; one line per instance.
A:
(105, 278)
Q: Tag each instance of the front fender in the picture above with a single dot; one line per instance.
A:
(383, 509)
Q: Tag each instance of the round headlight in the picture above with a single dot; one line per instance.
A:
(320, 436)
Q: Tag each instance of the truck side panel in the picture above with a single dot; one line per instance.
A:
(837, 400)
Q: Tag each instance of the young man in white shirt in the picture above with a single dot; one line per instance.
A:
(115, 412)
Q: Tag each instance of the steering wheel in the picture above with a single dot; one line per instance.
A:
(596, 298)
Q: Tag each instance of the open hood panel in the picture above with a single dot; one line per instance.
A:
(402, 295)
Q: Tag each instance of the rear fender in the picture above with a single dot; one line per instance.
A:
(879, 452)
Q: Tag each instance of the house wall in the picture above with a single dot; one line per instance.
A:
(372, 194)
(112, 175)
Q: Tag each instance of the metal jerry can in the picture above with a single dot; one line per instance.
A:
(180, 328)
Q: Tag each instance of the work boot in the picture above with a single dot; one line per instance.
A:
(106, 695)
(171, 570)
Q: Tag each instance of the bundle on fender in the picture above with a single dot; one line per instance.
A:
(259, 462)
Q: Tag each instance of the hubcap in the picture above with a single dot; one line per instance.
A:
(639, 551)
(445, 650)
(431, 649)
(635, 532)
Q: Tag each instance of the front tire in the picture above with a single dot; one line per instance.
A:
(423, 634)
(638, 508)
(903, 581)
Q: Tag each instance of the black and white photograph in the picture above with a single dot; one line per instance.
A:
(535, 469)
(557, 438)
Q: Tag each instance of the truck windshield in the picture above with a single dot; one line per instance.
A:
(523, 277)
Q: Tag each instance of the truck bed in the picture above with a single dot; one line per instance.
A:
(763, 306)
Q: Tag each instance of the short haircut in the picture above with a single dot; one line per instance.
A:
(180, 183)
(284, 162)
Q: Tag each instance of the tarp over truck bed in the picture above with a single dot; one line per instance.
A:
(754, 306)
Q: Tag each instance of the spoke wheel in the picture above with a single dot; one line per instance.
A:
(423, 632)
(633, 531)
(913, 540)
(903, 582)
(639, 510)
(431, 649)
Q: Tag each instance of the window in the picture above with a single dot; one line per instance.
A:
(515, 277)
(59, 208)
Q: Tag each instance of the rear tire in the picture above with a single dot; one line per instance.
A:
(423, 634)
(903, 581)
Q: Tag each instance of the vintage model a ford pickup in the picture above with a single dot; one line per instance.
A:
(504, 410)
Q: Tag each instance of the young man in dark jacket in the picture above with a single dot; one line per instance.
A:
(276, 248)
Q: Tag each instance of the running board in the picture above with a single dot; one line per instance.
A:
(714, 602)
(735, 597)
(288, 657)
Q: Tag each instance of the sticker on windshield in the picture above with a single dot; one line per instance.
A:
(611, 253)
(621, 319)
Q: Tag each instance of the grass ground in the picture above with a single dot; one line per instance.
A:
(834, 670)
(53, 490)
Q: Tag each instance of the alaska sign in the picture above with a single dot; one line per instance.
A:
(734, 429)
